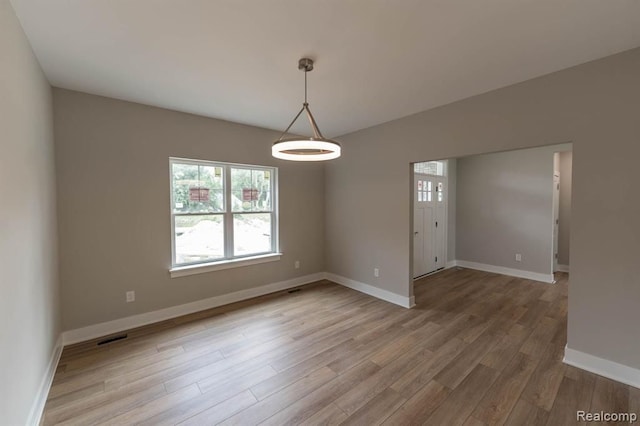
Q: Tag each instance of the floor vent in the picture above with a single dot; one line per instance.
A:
(112, 339)
(295, 290)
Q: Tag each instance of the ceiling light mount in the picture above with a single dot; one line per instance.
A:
(305, 64)
(315, 148)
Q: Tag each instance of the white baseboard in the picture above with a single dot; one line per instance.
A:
(110, 327)
(451, 264)
(404, 301)
(535, 276)
(412, 302)
(603, 367)
(37, 408)
(563, 268)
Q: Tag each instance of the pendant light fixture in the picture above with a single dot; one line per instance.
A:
(315, 148)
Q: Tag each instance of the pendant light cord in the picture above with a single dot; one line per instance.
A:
(305, 86)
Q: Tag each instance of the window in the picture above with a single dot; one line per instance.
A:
(424, 190)
(436, 168)
(221, 212)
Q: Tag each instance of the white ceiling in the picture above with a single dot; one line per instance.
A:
(376, 60)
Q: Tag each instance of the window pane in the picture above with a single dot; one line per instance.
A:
(197, 189)
(240, 181)
(199, 238)
(261, 181)
(430, 168)
(251, 189)
(251, 233)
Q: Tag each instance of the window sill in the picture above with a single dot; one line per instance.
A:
(182, 271)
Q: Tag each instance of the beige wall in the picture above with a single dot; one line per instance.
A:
(594, 105)
(113, 198)
(29, 314)
(504, 207)
(564, 227)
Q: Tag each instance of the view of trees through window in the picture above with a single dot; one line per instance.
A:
(214, 219)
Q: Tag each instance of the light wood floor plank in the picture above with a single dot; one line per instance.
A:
(212, 415)
(460, 403)
(542, 388)
(279, 401)
(420, 406)
(154, 407)
(503, 395)
(526, 414)
(329, 416)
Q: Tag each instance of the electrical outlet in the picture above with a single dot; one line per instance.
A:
(518, 257)
(131, 296)
(376, 272)
(296, 264)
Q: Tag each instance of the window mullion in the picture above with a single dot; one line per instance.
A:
(228, 215)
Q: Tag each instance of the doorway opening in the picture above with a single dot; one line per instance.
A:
(505, 212)
(430, 207)
(563, 170)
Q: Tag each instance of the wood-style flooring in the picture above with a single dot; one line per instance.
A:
(478, 348)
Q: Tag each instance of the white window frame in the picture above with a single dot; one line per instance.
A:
(229, 260)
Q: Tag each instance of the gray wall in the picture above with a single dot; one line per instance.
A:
(504, 207)
(594, 105)
(113, 198)
(564, 228)
(29, 313)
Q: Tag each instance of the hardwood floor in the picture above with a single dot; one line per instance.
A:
(478, 348)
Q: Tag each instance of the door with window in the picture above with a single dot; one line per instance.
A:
(429, 219)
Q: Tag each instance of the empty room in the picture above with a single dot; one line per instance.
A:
(297, 212)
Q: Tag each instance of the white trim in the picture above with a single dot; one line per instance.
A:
(536, 276)
(412, 302)
(110, 327)
(563, 268)
(603, 367)
(201, 268)
(37, 408)
(429, 274)
(404, 301)
(451, 264)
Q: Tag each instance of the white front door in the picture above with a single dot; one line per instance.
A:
(429, 223)
(419, 267)
(440, 223)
